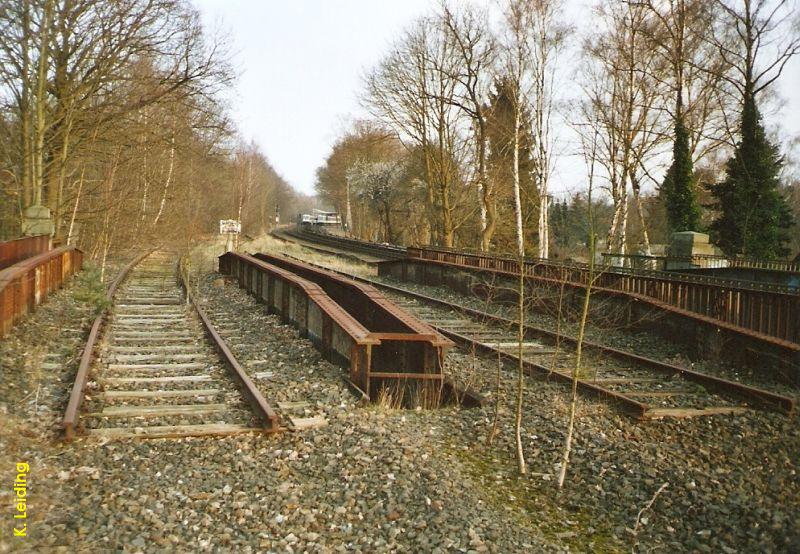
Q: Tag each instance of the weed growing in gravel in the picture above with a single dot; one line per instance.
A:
(89, 289)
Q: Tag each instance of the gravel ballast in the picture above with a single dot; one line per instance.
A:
(376, 479)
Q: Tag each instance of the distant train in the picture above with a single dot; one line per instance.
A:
(319, 217)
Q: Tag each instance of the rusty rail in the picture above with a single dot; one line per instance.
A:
(259, 404)
(14, 251)
(773, 400)
(764, 309)
(385, 251)
(70, 421)
(26, 284)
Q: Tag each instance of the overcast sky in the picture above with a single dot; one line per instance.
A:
(301, 64)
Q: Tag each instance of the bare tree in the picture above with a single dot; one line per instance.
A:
(755, 39)
(95, 64)
(622, 99)
(548, 36)
(474, 47)
(410, 91)
(590, 156)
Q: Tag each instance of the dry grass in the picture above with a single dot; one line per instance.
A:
(271, 245)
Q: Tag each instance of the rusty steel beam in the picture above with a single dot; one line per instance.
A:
(26, 284)
(763, 397)
(791, 347)
(361, 299)
(723, 303)
(310, 309)
(766, 311)
(14, 251)
(388, 340)
(259, 404)
(71, 414)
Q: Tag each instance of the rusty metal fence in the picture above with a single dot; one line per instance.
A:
(14, 251)
(763, 308)
(27, 284)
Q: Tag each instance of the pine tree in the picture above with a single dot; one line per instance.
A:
(754, 219)
(677, 190)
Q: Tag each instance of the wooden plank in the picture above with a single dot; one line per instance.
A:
(156, 333)
(148, 302)
(172, 379)
(158, 393)
(162, 348)
(381, 375)
(156, 357)
(187, 340)
(658, 413)
(292, 405)
(154, 367)
(263, 375)
(135, 323)
(121, 333)
(623, 380)
(660, 393)
(159, 411)
(301, 423)
(173, 431)
(156, 315)
(515, 344)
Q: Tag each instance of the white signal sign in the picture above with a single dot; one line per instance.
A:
(229, 227)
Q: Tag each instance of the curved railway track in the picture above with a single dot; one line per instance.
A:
(643, 387)
(162, 370)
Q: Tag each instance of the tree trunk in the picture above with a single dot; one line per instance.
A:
(40, 100)
(576, 371)
(167, 183)
(544, 223)
(75, 207)
(638, 199)
(24, 109)
(520, 294)
(56, 191)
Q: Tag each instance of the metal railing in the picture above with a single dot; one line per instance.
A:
(697, 261)
(367, 247)
(14, 251)
(762, 308)
(26, 284)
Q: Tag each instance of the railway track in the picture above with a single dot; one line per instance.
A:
(373, 251)
(643, 387)
(162, 368)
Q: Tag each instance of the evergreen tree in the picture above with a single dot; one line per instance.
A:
(677, 190)
(754, 219)
(500, 135)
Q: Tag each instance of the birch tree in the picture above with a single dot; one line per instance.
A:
(548, 36)
(622, 96)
